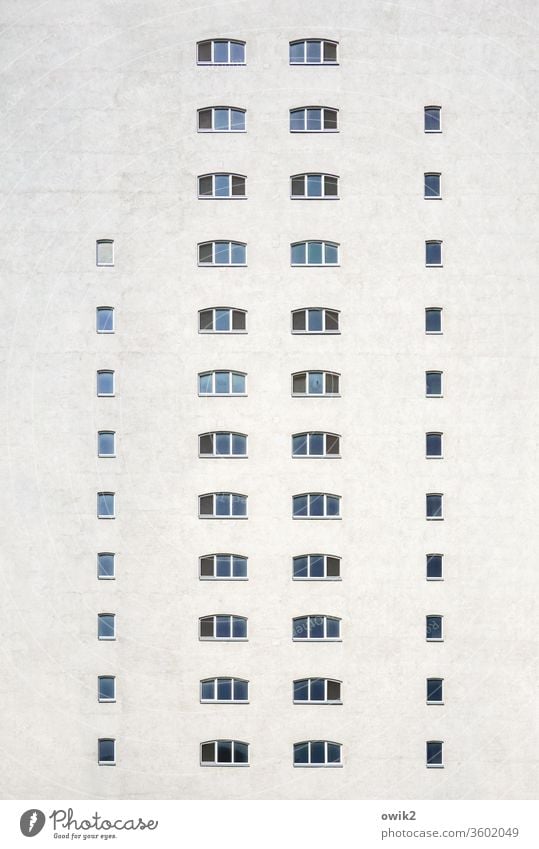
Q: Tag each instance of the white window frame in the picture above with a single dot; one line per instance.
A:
(324, 516)
(103, 432)
(434, 554)
(221, 763)
(231, 434)
(213, 196)
(432, 174)
(316, 394)
(325, 455)
(215, 681)
(434, 701)
(439, 456)
(324, 765)
(212, 62)
(308, 639)
(434, 264)
(307, 332)
(114, 631)
(216, 577)
(325, 700)
(102, 700)
(106, 371)
(214, 264)
(324, 577)
(321, 41)
(99, 242)
(432, 106)
(107, 577)
(434, 766)
(101, 309)
(439, 639)
(212, 128)
(228, 515)
(305, 175)
(435, 332)
(435, 395)
(107, 515)
(214, 394)
(322, 119)
(324, 264)
(105, 740)
(231, 639)
(231, 310)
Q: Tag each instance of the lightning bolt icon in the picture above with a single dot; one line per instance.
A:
(32, 822)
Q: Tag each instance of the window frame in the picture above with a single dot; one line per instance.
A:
(106, 577)
(114, 628)
(323, 264)
(322, 175)
(435, 394)
(216, 763)
(434, 577)
(325, 455)
(99, 242)
(430, 765)
(99, 759)
(106, 371)
(322, 42)
(310, 701)
(102, 309)
(107, 678)
(215, 576)
(325, 764)
(214, 456)
(439, 456)
(214, 394)
(212, 62)
(212, 129)
(322, 119)
(323, 332)
(231, 332)
(107, 515)
(430, 639)
(228, 515)
(215, 639)
(316, 394)
(439, 518)
(439, 110)
(230, 196)
(439, 701)
(434, 264)
(309, 577)
(432, 174)
(217, 701)
(213, 264)
(103, 433)
(440, 311)
(324, 516)
(309, 639)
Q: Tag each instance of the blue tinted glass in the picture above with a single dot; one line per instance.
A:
(220, 51)
(434, 383)
(222, 628)
(224, 752)
(220, 119)
(300, 567)
(238, 254)
(299, 505)
(239, 444)
(318, 690)
(316, 383)
(106, 625)
(106, 443)
(299, 444)
(317, 566)
(434, 753)
(204, 384)
(222, 566)
(300, 628)
(240, 753)
(333, 505)
(313, 51)
(222, 504)
(224, 689)
(105, 320)
(318, 752)
(432, 119)
(105, 564)
(433, 253)
(222, 382)
(315, 320)
(434, 445)
(105, 504)
(434, 627)
(316, 443)
(316, 627)
(432, 185)
(297, 51)
(222, 253)
(106, 750)
(222, 185)
(434, 566)
(237, 52)
(434, 690)
(222, 443)
(314, 119)
(316, 505)
(334, 753)
(301, 690)
(237, 120)
(105, 382)
(239, 505)
(238, 383)
(433, 321)
(314, 256)
(332, 253)
(297, 256)
(297, 119)
(434, 505)
(106, 688)
(240, 567)
(207, 689)
(333, 627)
(301, 753)
(239, 627)
(241, 690)
(314, 185)
(222, 320)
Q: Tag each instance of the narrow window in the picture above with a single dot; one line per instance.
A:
(106, 751)
(435, 753)
(435, 695)
(433, 253)
(104, 249)
(433, 445)
(106, 566)
(433, 119)
(433, 384)
(434, 503)
(433, 320)
(106, 443)
(432, 186)
(105, 319)
(105, 383)
(106, 626)
(434, 632)
(434, 567)
(106, 688)
(105, 505)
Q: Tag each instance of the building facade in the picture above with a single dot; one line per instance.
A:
(270, 400)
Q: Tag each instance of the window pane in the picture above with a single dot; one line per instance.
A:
(333, 505)
(222, 185)
(207, 754)
(433, 253)
(220, 51)
(318, 752)
(434, 689)
(298, 320)
(106, 750)
(330, 119)
(314, 185)
(434, 506)
(314, 253)
(298, 254)
(106, 688)
(314, 51)
(239, 627)
(334, 753)
(332, 444)
(334, 691)
(206, 505)
(301, 690)
(433, 321)
(299, 444)
(205, 443)
(222, 566)
(222, 504)
(333, 627)
(432, 185)
(432, 119)
(207, 689)
(204, 119)
(205, 186)
(330, 52)
(434, 445)
(297, 119)
(222, 320)
(298, 186)
(224, 689)
(241, 690)
(237, 120)
(332, 320)
(238, 254)
(297, 51)
(224, 751)
(206, 567)
(332, 253)
(239, 445)
(222, 443)
(316, 444)
(237, 52)
(204, 51)
(300, 628)
(333, 567)
(316, 383)
(207, 627)
(105, 565)
(205, 384)
(222, 253)
(106, 443)
(299, 383)
(238, 185)
(104, 253)
(300, 567)
(205, 320)
(222, 382)
(331, 186)
(299, 505)
(205, 252)
(241, 753)
(434, 565)
(238, 320)
(301, 753)
(315, 320)
(239, 505)
(238, 383)
(105, 383)
(332, 384)
(239, 567)
(314, 119)
(220, 119)
(317, 566)
(316, 627)
(318, 689)
(105, 320)
(434, 383)
(222, 626)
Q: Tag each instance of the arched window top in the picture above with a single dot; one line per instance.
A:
(224, 753)
(222, 505)
(222, 626)
(317, 753)
(313, 51)
(221, 119)
(222, 443)
(314, 119)
(225, 567)
(314, 252)
(222, 184)
(316, 320)
(324, 383)
(316, 505)
(222, 320)
(317, 691)
(316, 626)
(104, 252)
(222, 253)
(316, 443)
(221, 51)
(221, 382)
(314, 186)
(224, 689)
(316, 567)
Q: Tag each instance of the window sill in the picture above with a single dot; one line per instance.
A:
(434, 703)
(315, 332)
(203, 516)
(296, 702)
(105, 394)
(104, 265)
(316, 456)
(314, 131)
(107, 639)
(314, 64)
(105, 517)
(314, 197)
(434, 518)
(435, 766)
(434, 396)
(105, 332)
(223, 395)
(223, 332)
(106, 701)
(224, 702)
(225, 765)
(107, 456)
(435, 639)
(223, 639)
(331, 578)
(221, 64)
(317, 395)
(199, 130)
(434, 456)
(318, 766)
(222, 264)
(432, 197)
(316, 640)
(434, 333)
(315, 265)
(220, 578)
(433, 265)
(432, 131)
(315, 518)
(223, 197)
(106, 577)
(222, 457)
(106, 763)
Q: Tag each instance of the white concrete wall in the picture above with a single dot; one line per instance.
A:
(99, 140)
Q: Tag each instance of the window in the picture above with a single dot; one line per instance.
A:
(222, 320)
(434, 567)
(221, 51)
(434, 505)
(223, 628)
(104, 320)
(104, 252)
(221, 186)
(106, 626)
(224, 690)
(223, 566)
(221, 119)
(105, 505)
(316, 444)
(315, 383)
(313, 119)
(433, 253)
(317, 753)
(314, 253)
(315, 320)
(106, 688)
(433, 384)
(224, 753)
(433, 320)
(310, 567)
(106, 751)
(105, 382)
(316, 505)
(222, 443)
(433, 119)
(316, 627)
(434, 631)
(321, 186)
(221, 383)
(316, 690)
(433, 444)
(435, 695)
(105, 565)
(432, 188)
(222, 505)
(106, 443)
(435, 753)
(313, 51)
(222, 253)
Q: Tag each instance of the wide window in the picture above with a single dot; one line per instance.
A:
(321, 186)
(315, 383)
(106, 565)
(106, 688)
(223, 566)
(222, 253)
(433, 384)
(221, 51)
(223, 628)
(316, 444)
(433, 444)
(313, 51)
(224, 690)
(434, 567)
(106, 626)
(222, 443)
(313, 119)
(317, 690)
(106, 443)
(435, 753)
(317, 753)
(224, 753)
(221, 383)
(316, 505)
(434, 505)
(222, 505)
(221, 186)
(435, 692)
(106, 751)
(104, 251)
(221, 119)
(432, 185)
(222, 320)
(312, 567)
(105, 382)
(433, 320)
(316, 627)
(433, 253)
(104, 319)
(433, 119)
(315, 320)
(314, 253)
(106, 505)
(434, 629)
